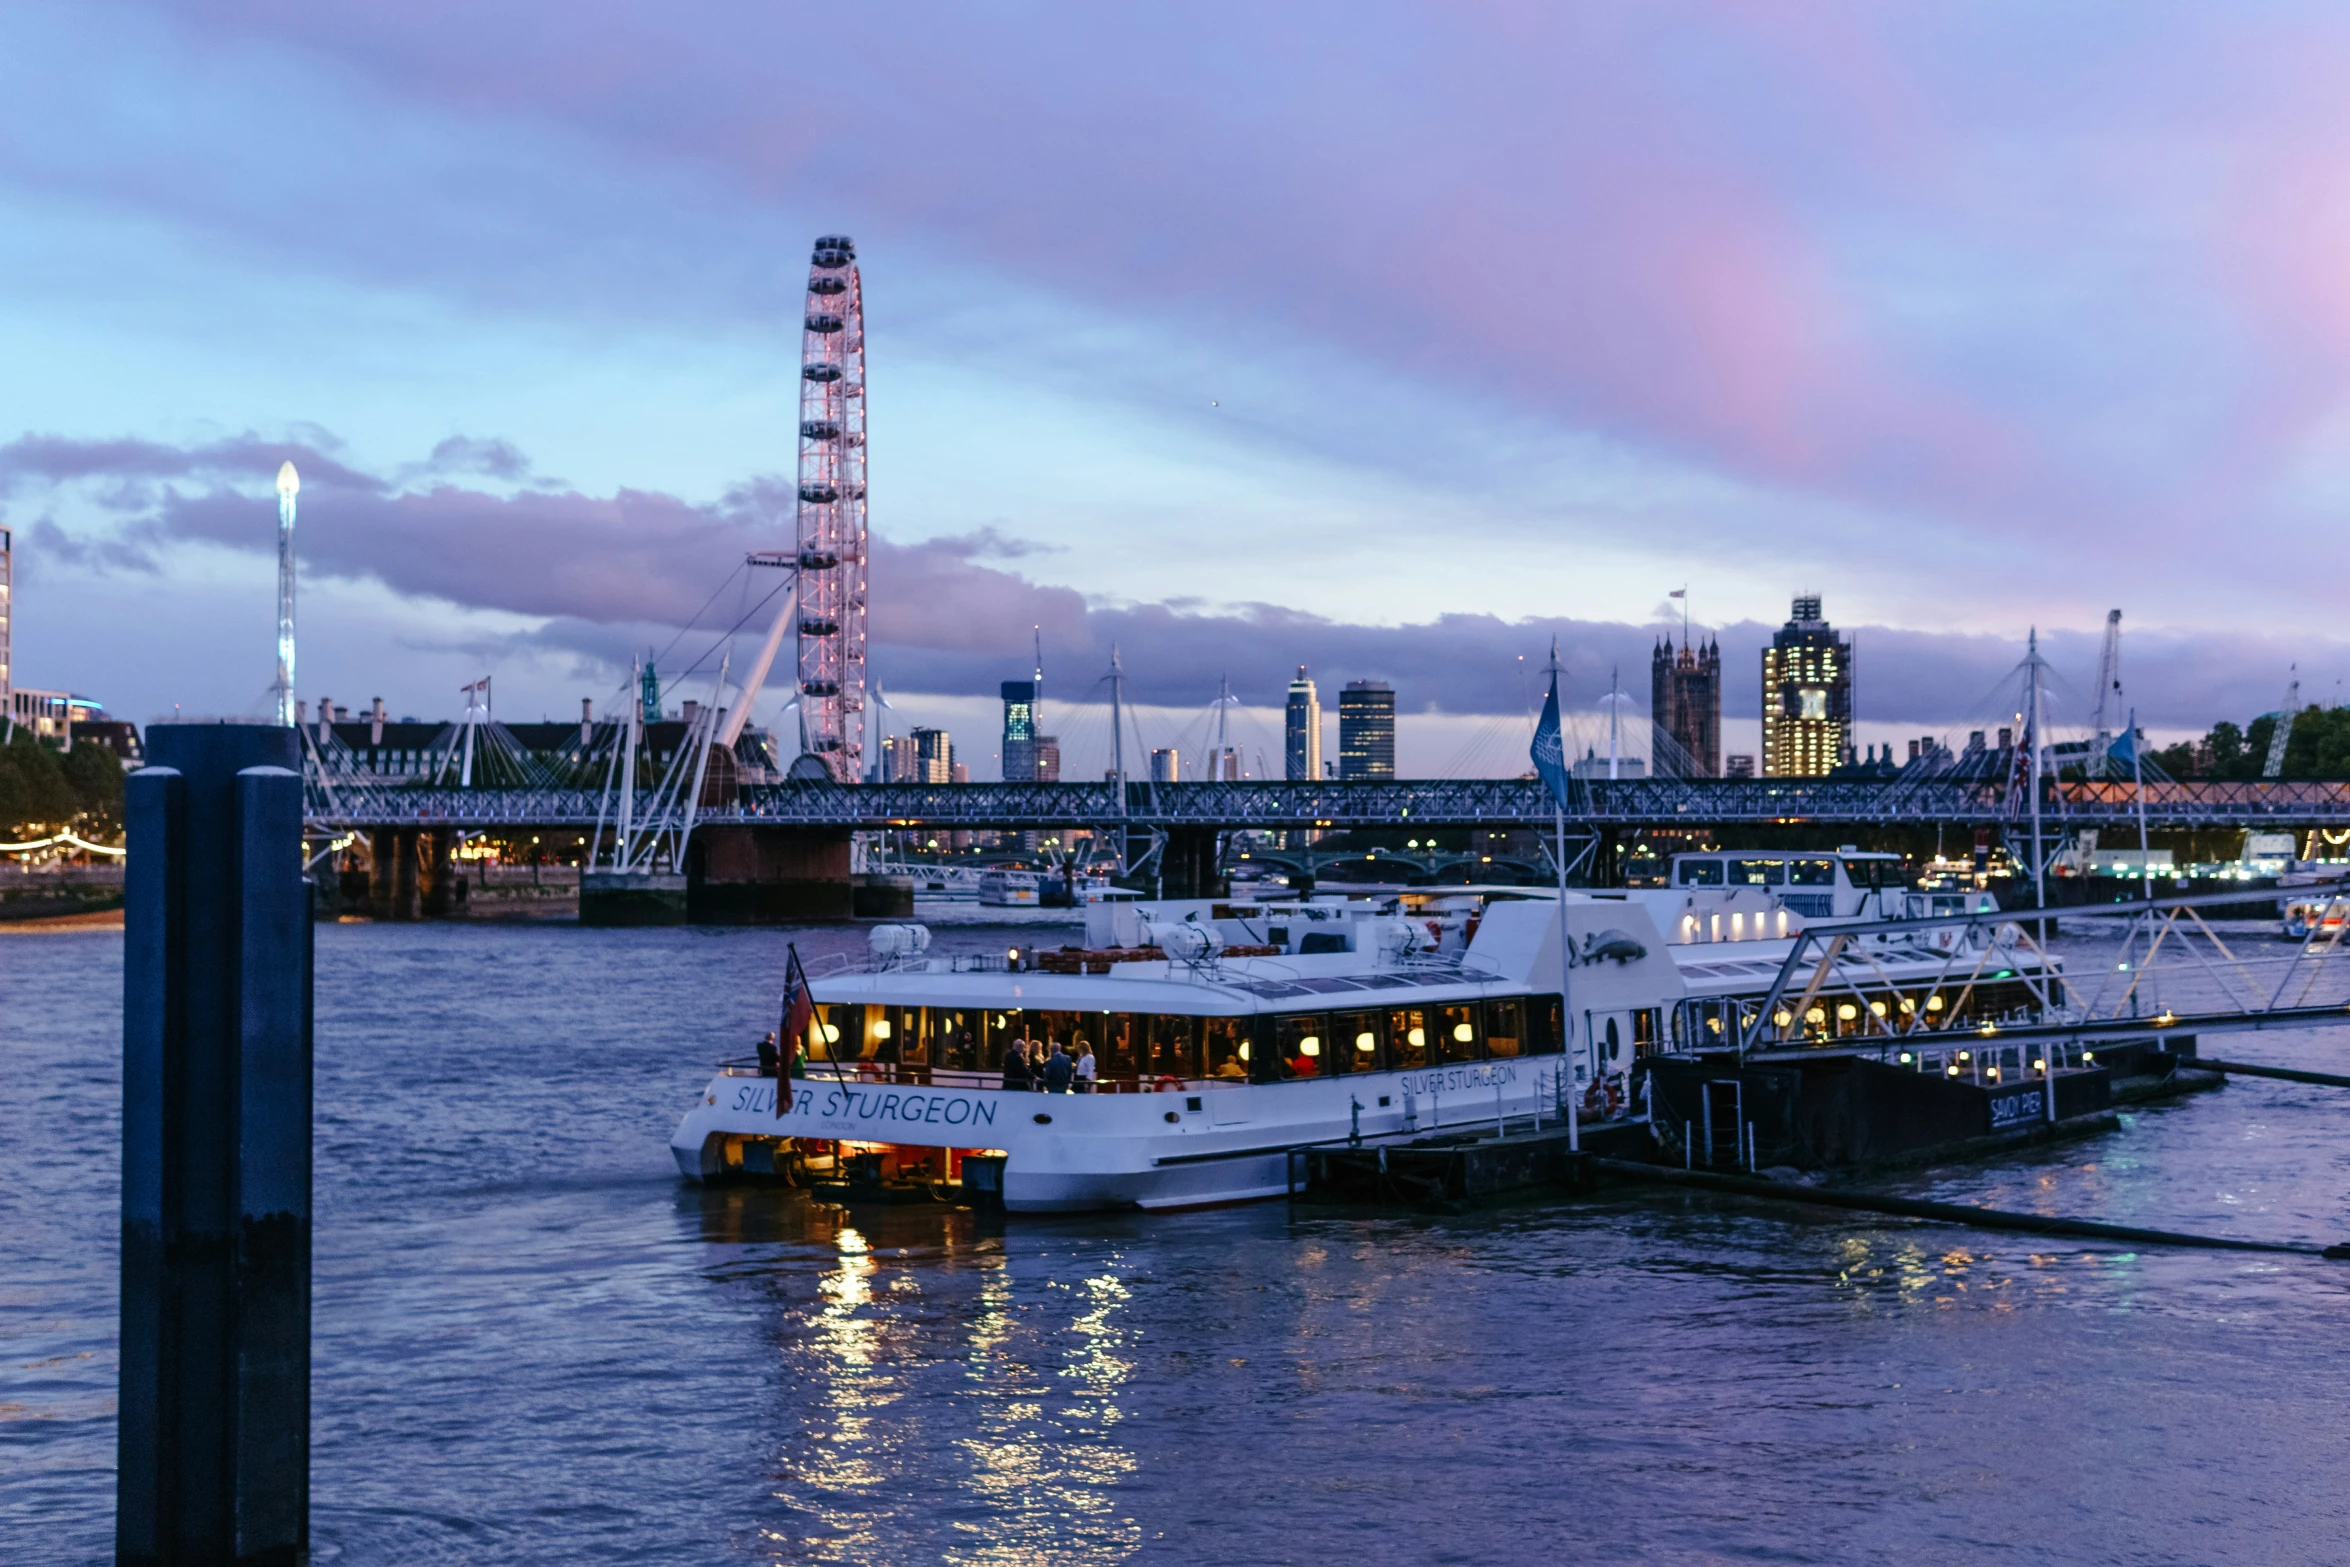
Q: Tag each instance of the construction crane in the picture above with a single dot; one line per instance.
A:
(2109, 693)
(2284, 729)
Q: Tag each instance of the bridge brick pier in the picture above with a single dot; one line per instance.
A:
(758, 875)
(413, 873)
(1188, 865)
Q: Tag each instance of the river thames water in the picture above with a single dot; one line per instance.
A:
(535, 1344)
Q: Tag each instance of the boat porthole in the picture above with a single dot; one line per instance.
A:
(1044, 1120)
(1383, 1101)
(1172, 1118)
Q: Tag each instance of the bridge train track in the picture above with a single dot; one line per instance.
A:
(347, 801)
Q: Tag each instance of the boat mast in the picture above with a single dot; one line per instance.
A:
(1614, 683)
(2039, 860)
(628, 741)
(2032, 668)
(1558, 816)
(1118, 743)
(2138, 789)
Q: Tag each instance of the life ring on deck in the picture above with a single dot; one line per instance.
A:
(1167, 1085)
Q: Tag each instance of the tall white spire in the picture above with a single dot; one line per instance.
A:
(289, 484)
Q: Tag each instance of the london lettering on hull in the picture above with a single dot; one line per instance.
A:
(869, 1106)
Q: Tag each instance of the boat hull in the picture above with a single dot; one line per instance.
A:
(1198, 1145)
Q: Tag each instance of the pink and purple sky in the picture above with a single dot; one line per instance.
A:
(1385, 339)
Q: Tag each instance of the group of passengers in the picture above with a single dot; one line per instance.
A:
(1033, 1065)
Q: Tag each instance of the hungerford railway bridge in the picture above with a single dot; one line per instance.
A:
(781, 852)
(336, 803)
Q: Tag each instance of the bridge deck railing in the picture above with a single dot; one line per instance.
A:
(341, 801)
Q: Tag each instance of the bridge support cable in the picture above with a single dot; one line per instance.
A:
(756, 680)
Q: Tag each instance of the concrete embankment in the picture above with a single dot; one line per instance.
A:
(54, 893)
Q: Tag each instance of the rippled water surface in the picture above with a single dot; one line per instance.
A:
(535, 1344)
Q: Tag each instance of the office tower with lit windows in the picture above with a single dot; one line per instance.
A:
(1019, 731)
(935, 756)
(1366, 730)
(1303, 729)
(1806, 695)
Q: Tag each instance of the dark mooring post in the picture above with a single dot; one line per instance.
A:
(214, 1446)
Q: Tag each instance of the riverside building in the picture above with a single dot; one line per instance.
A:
(1366, 730)
(1304, 729)
(1806, 695)
(934, 752)
(1685, 703)
(1019, 731)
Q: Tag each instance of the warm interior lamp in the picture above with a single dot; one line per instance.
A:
(1309, 1046)
(1463, 1032)
(1365, 1043)
(881, 1029)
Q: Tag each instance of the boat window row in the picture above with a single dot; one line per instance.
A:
(1137, 1049)
(1866, 872)
(1846, 1012)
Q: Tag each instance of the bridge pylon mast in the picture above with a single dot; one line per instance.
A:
(2109, 694)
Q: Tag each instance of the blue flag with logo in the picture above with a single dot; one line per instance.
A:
(1550, 755)
(2125, 750)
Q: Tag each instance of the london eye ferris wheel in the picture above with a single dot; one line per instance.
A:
(832, 539)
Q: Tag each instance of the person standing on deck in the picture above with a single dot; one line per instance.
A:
(1084, 1071)
(1016, 1075)
(1057, 1069)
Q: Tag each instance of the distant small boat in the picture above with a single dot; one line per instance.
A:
(1010, 889)
(2324, 916)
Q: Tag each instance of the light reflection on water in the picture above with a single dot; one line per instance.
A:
(535, 1344)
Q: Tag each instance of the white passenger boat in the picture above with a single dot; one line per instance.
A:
(1010, 889)
(1225, 1035)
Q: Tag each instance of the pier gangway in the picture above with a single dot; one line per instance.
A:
(2136, 969)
